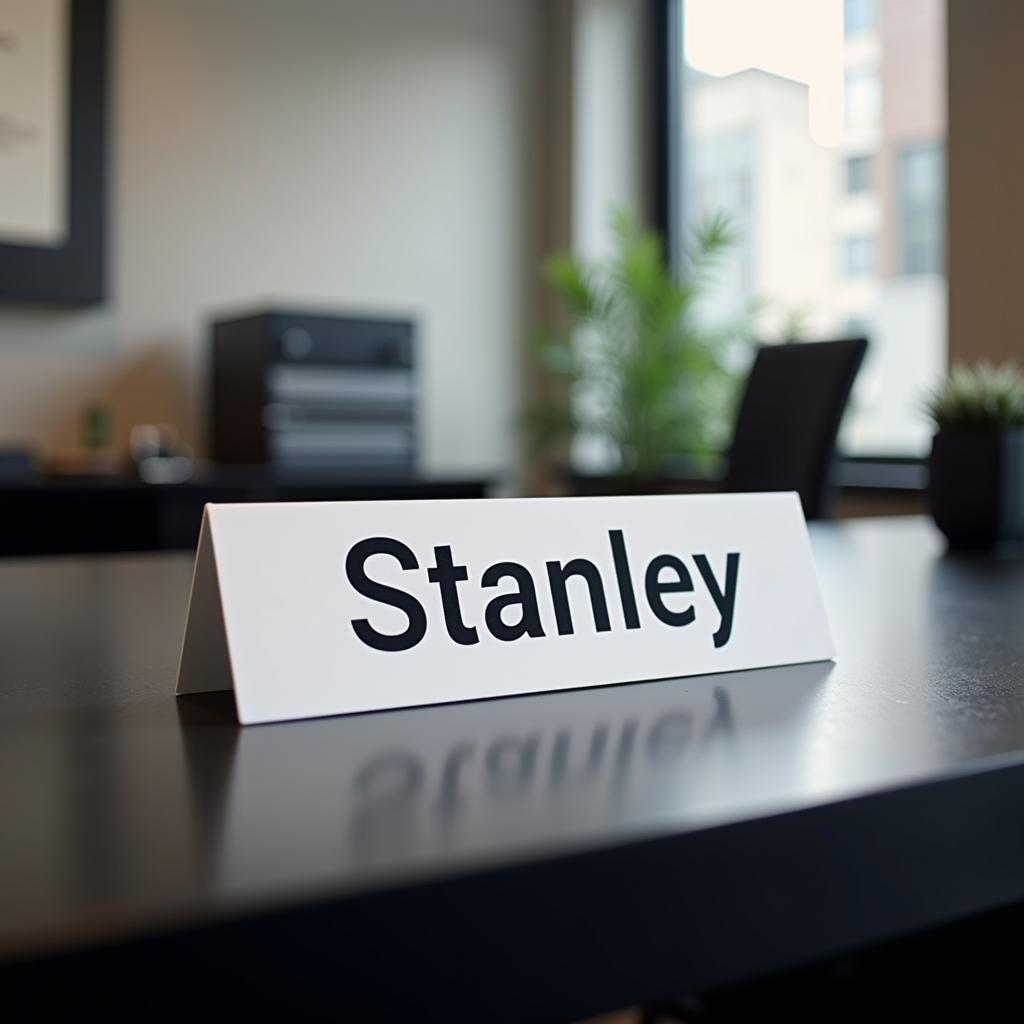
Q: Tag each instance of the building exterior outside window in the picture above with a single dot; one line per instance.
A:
(920, 190)
(858, 174)
(840, 235)
(858, 255)
(863, 98)
(858, 16)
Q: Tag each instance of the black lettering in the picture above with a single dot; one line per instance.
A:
(529, 623)
(625, 579)
(725, 600)
(558, 574)
(655, 587)
(355, 569)
(447, 576)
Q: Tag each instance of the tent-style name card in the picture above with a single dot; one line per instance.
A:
(337, 607)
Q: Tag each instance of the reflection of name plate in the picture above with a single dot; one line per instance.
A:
(371, 796)
(33, 121)
(320, 609)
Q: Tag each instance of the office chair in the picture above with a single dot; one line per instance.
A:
(789, 417)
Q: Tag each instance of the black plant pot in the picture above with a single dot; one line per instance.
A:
(976, 486)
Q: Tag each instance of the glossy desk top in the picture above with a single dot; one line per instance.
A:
(127, 812)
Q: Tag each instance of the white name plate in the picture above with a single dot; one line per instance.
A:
(337, 607)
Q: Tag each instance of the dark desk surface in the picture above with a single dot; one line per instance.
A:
(537, 857)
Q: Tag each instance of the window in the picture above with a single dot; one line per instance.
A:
(858, 255)
(920, 200)
(721, 183)
(858, 174)
(838, 196)
(858, 17)
(862, 97)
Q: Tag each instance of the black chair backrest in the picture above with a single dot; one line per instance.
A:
(788, 419)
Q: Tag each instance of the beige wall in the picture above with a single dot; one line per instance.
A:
(986, 178)
(376, 155)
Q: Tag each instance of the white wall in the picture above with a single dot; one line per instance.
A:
(611, 55)
(367, 154)
(611, 110)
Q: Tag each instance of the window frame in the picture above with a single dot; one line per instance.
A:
(666, 208)
(862, 28)
(864, 77)
(864, 161)
(935, 149)
(861, 243)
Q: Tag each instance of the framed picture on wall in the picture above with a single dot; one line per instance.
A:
(53, 125)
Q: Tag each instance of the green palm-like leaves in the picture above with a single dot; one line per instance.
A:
(651, 379)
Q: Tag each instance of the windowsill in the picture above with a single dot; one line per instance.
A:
(892, 473)
(882, 472)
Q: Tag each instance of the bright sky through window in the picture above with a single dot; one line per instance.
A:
(798, 39)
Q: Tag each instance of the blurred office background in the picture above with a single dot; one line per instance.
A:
(416, 162)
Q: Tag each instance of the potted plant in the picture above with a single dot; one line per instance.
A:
(640, 373)
(976, 470)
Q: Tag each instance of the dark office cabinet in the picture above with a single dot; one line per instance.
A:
(312, 393)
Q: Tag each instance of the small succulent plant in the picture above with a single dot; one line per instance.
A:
(984, 397)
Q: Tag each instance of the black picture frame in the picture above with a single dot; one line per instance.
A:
(73, 273)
